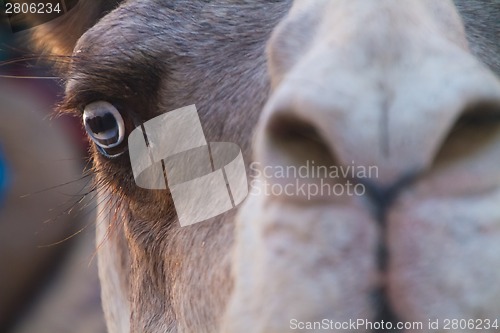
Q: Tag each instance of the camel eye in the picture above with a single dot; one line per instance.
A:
(105, 126)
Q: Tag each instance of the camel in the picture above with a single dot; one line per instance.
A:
(407, 88)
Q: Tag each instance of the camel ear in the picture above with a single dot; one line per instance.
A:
(57, 34)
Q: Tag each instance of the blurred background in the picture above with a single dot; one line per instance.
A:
(48, 275)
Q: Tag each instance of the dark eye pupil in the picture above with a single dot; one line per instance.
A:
(100, 124)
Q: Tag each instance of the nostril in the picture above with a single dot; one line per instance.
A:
(478, 115)
(290, 128)
(474, 131)
(298, 140)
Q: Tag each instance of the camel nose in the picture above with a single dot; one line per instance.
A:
(349, 121)
(393, 111)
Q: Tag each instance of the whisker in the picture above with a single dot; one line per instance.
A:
(65, 239)
(29, 77)
(56, 186)
(86, 213)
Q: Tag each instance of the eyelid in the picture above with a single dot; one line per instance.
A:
(79, 95)
(108, 155)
